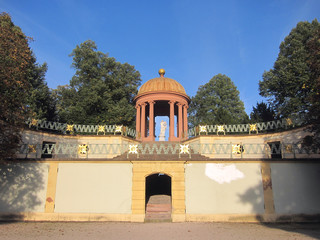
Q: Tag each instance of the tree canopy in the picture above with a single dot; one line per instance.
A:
(15, 69)
(313, 116)
(217, 102)
(40, 100)
(100, 92)
(262, 112)
(292, 80)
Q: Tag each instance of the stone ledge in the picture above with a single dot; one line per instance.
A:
(253, 218)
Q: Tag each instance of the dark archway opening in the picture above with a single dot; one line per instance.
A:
(158, 184)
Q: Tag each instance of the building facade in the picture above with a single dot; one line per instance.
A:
(242, 173)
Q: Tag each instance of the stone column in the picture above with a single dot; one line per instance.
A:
(180, 121)
(185, 121)
(171, 121)
(151, 120)
(143, 121)
(138, 121)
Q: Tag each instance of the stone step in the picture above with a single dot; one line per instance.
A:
(158, 208)
(158, 215)
(157, 220)
(159, 199)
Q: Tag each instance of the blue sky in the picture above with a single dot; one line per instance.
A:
(191, 40)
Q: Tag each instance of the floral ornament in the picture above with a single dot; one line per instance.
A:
(202, 128)
(32, 148)
(101, 129)
(289, 121)
(289, 148)
(133, 149)
(33, 123)
(69, 128)
(83, 149)
(184, 149)
(220, 128)
(118, 129)
(237, 149)
(253, 127)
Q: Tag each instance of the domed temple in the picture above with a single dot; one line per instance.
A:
(261, 172)
(162, 97)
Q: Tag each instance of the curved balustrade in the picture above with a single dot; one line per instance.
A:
(81, 129)
(243, 128)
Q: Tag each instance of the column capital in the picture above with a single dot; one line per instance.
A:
(151, 102)
(143, 104)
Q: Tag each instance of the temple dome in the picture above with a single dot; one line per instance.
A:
(161, 84)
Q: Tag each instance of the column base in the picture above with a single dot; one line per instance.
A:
(174, 139)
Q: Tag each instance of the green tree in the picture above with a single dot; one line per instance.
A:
(101, 91)
(15, 69)
(313, 47)
(217, 102)
(41, 101)
(262, 113)
(291, 81)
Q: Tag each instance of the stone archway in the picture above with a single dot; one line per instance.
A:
(158, 184)
(141, 171)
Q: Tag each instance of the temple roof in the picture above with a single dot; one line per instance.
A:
(161, 84)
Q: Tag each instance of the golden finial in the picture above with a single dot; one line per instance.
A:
(162, 72)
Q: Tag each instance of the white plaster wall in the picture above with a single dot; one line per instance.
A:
(296, 187)
(94, 188)
(23, 187)
(224, 188)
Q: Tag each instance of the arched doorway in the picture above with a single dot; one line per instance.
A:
(158, 197)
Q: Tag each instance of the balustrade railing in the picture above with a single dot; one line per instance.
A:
(126, 131)
(81, 129)
(243, 128)
(214, 150)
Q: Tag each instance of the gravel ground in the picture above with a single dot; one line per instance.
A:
(163, 231)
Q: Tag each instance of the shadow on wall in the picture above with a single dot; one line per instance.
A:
(295, 191)
(20, 185)
(254, 197)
